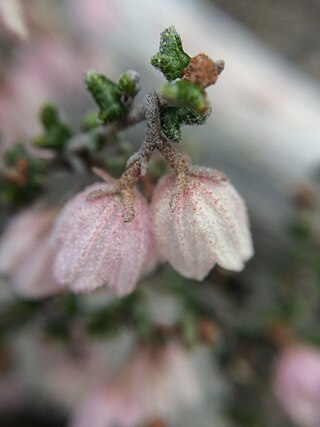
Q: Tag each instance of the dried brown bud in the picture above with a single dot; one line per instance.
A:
(208, 331)
(280, 333)
(304, 197)
(19, 174)
(203, 71)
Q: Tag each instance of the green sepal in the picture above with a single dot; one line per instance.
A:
(12, 192)
(128, 83)
(90, 121)
(172, 118)
(56, 132)
(189, 328)
(183, 93)
(171, 59)
(107, 96)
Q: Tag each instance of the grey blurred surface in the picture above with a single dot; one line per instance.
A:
(290, 26)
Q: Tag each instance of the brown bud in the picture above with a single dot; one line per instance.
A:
(203, 71)
(19, 174)
(280, 333)
(304, 197)
(208, 331)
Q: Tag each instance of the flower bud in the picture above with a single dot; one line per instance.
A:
(26, 255)
(208, 225)
(297, 384)
(96, 247)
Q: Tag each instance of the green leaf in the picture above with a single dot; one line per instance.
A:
(301, 230)
(189, 326)
(56, 132)
(129, 83)
(90, 121)
(183, 93)
(107, 96)
(32, 175)
(172, 118)
(171, 59)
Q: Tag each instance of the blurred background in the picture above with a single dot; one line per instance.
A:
(264, 133)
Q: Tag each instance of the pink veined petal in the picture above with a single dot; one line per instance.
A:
(235, 214)
(217, 221)
(96, 247)
(209, 225)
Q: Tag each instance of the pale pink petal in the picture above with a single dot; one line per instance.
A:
(19, 236)
(34, 278)
(156, 382)
(94, 411)
(96, 247)
(209, 225)
(26, 255)
(297, 384)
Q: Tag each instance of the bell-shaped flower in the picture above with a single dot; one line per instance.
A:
(155, 383)
(95, 247)
(200, 220)
(297, 384)
(26, 255)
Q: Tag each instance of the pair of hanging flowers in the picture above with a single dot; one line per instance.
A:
(194, 221)
(109, 234)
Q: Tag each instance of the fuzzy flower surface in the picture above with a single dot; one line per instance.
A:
(26, 255)
(208, 224)
(297, 384)
(95, 247)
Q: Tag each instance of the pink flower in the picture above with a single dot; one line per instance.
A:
(44, 69)
(297, 384)
(96, 247)
(26, 255)
(209, 223)
(155, 383)
(94, 16)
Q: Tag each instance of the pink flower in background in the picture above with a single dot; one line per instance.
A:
(297, 384)
(94, 16)
(155, 383)
(96, 247)
(208, 226)
(26, 255)
(44, 70)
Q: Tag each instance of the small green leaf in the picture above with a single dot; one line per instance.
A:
(171, 59)
(107, 96)
(129, 83)
(90, 121)
(183, 93)
(172, 118)
(189, 326)
(23, 176)
(301, 230)
(56, 132)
